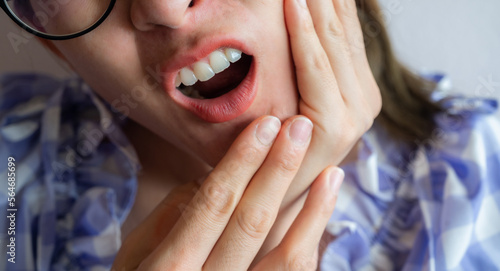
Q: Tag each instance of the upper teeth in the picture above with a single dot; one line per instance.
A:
(206, 68)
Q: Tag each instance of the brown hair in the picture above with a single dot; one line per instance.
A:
(407, 110)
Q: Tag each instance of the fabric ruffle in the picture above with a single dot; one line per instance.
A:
(76, 173)
(439, 212)
(76, 182)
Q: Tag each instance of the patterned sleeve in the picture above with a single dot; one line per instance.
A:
(75, 175)
(442, 214)
(457, 179)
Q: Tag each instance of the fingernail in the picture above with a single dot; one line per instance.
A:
(300, 131)
(267, 130)
(302, 3)
(336, 178)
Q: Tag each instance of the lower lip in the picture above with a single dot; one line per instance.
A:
(224, 108)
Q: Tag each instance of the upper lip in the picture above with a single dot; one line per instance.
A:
(220, 109)
(187, 57)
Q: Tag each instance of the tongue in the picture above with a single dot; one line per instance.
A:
(225, 81)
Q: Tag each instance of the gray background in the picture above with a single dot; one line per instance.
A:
(458, 37)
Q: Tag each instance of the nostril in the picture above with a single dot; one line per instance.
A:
(147, 15)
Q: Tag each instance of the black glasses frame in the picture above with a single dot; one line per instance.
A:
(29, 29)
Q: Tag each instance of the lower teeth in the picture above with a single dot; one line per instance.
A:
(190, 92)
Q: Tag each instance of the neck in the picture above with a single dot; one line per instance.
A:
(164, 167)
(162, 159)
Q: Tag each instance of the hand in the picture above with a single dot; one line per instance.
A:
(338, 92)
(226, 220)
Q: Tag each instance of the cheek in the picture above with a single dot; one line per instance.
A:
(98, 68)
(105, 58)
(109, 60)
(278, 85)
(61, 17)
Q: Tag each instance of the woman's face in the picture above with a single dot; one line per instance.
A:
(133, 58)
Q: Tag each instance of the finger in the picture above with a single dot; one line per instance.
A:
(307, 229)
(299, 248)
(347, 12)
(146, 237)
(320, 94)
(257, 210)
(189, 243)
(332, 36)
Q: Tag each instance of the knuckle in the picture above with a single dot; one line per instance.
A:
(349, 135)
(232, 168)
(357, 45)
(346, 49)
(334, 33)
(299, 262)
(350, 6)
(247, 153)
(320, 62)
(317, 61)
(288, 162)
(218, 200)
(308, 28)
(254, 221)
(333, 29)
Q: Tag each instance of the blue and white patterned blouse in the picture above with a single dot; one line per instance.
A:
(76, 181)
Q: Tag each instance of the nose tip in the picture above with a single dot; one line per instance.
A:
(147, 14)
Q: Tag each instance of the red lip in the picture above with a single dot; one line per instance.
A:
(221, 109)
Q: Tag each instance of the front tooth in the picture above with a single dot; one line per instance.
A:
(232, 55)
(187, 77)
(218, 61)
(178, 81)
(203, 71)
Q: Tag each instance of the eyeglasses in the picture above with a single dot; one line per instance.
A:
(58, 19)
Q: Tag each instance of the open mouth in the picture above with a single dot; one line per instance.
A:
(219, 73)
(219, 85)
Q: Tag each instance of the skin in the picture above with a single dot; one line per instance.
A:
(313, 67)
